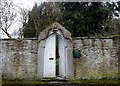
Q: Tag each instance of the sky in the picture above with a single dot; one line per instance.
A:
(26, 4)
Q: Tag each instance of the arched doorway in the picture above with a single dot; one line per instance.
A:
(55, 56)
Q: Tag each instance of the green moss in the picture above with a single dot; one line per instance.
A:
(74, 82)
(22, 82)
(115, 35)
(92, 81)
(0, 81)
(39, 82)
(12, 82)
(113, 81)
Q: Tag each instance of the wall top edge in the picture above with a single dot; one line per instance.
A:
(18, 38)
(72, 37)
(95, 37)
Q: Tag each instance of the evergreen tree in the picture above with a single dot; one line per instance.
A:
(87, 18)
(29, 31)
(80, 18)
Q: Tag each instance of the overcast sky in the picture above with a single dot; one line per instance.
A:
(27, 4)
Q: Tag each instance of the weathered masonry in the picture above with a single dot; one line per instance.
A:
(51, 56)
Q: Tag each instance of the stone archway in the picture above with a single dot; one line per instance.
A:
(48, 39)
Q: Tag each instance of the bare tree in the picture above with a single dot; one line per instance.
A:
(7, 16)
(23, 18)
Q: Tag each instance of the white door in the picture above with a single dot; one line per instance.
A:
(62, 58)
(50, 57)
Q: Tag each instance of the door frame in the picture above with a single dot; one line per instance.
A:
(55, 28)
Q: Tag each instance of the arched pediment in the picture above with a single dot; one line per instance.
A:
(54, 28)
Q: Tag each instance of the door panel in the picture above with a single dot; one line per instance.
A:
(62, 67)
(50, 57)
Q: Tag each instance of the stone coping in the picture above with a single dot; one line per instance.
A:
(19, 39)
(95, 37)
(72, 37)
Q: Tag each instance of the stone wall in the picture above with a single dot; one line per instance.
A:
(98, 59)
(19, 58)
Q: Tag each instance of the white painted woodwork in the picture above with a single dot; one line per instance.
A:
(62, 58)
(50, 57)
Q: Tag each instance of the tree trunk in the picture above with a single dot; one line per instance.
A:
(6, 33)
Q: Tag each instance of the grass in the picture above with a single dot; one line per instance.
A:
(93, 82)
(22, 82)
(113, 81)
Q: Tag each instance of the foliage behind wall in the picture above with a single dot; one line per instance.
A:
(80, 18)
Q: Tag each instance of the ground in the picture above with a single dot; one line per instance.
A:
(112, 82)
